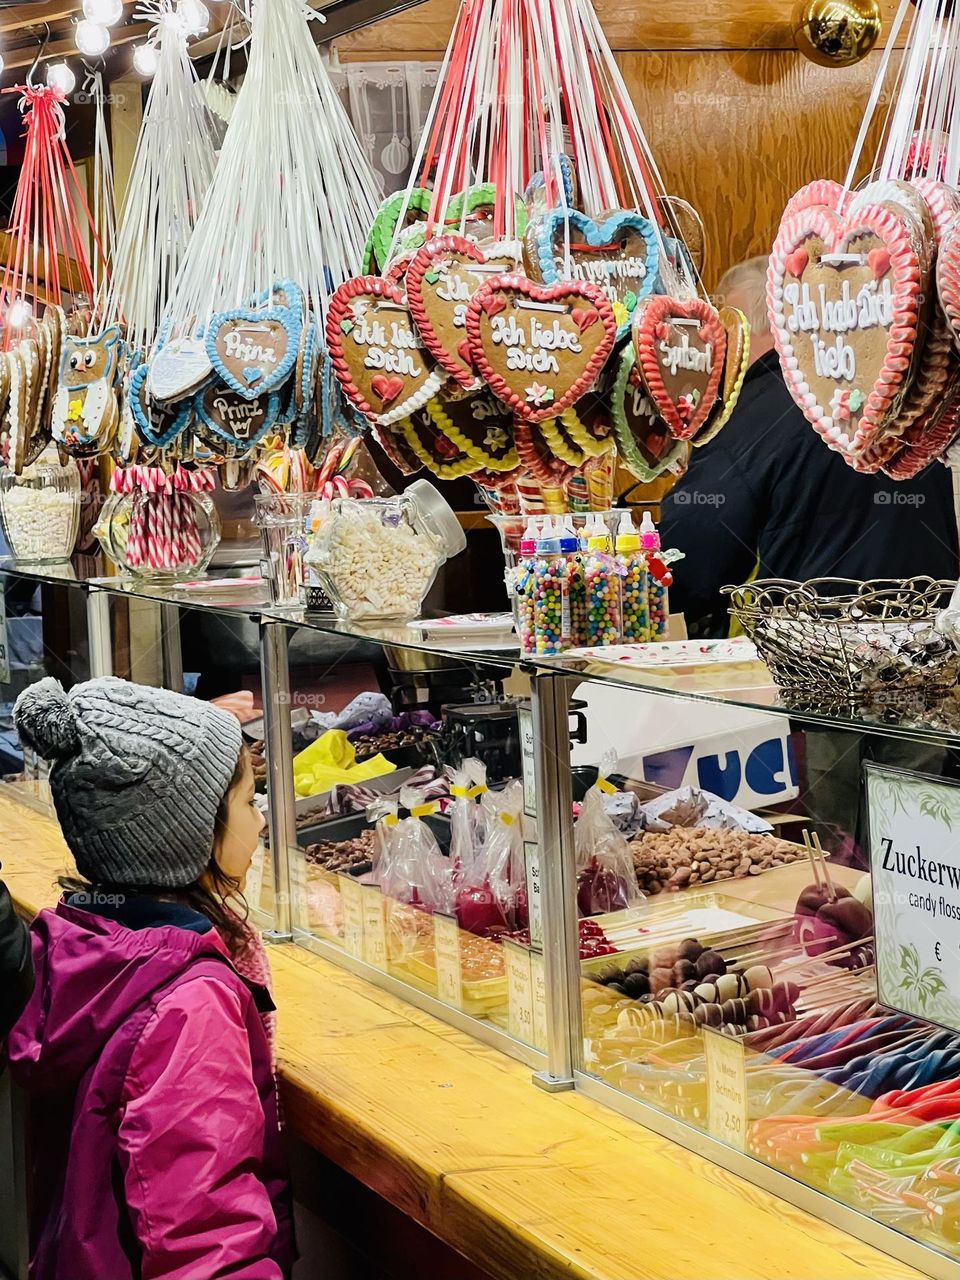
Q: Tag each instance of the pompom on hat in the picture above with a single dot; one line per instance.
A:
(138, 776)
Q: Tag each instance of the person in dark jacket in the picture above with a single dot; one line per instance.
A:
(768, 494)
(16, 964)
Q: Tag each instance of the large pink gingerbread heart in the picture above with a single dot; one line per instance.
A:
(680, 346)
(539, 347)
(376, 352)
(843, 293)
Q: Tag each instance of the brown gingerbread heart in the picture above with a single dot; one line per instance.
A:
(441, 279)
(680, 346)
(539, 347)
(376, 352)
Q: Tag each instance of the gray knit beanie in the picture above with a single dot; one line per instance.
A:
(138, 776)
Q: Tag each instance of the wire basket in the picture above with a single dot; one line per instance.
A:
(854, 642)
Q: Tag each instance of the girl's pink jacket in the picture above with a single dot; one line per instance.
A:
(154, 1138)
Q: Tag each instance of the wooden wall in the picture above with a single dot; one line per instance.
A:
(738, 120)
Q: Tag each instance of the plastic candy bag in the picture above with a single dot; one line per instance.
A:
(412, 868)
(606, 878)
(468, 785)
(487, 898)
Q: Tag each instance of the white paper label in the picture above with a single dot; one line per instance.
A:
(914, 825)
(351, 905)
(528, 762)
(446, 936)
(374, 927)
(531, 858)
(538, 981)
(726, 1088)
(519, 992)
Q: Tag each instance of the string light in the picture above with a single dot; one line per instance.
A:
(91, 38)
(194, 16)
(104, 12)
(146, 59)
(59, 76)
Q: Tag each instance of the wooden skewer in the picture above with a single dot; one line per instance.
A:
(823, 866)
(808, 845)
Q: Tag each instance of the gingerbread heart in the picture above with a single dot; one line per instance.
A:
(929, 437)
(845, 326)
(537, 199)
(539, 347)
(680, 346)
(737, 328)
(178, 368)
(232, 423)
(618, 254)
(376, 353)
(948, 277)
(480, 425)
(646, 446)
(537, 458)
(391, 441)
(254, 350)
(687, 245)
(156, 424)
(434, 448)
(442, 278)
(410, 206)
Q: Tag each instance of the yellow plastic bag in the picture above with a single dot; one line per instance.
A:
(332, 759)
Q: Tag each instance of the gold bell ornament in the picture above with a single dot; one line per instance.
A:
(836, 33)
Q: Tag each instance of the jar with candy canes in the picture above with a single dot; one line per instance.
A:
(41, 509)
(378, 557)
(160, 524)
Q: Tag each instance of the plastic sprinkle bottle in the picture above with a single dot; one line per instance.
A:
(524, 587)
(570, 547)
(658, 579)
(602, 579)
(551, 615)
(636, 615)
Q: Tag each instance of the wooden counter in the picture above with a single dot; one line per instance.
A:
(528, 1186)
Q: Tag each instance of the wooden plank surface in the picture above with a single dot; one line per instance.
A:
(527, 1185)
(643, 24)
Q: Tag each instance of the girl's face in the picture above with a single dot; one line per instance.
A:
(240, 832)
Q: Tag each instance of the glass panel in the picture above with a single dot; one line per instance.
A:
(738, 994)
(432, 895)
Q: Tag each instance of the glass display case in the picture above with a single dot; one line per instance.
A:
(645, 876)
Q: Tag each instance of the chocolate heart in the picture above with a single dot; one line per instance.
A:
(680, 346)
(380, 363)
(529, 347)
(844, 335)
(254, 350)
(441, 280)
(619, 254)
(645, 443)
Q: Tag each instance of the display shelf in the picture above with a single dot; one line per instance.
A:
(519, 1182)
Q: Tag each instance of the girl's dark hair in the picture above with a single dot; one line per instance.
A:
(209, 895)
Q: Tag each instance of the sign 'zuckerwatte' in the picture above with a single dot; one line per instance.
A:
(914, 825)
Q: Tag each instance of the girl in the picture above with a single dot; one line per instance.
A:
(154, 1131)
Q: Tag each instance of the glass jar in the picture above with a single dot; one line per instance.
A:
(378, 557)
(41, 509)
(167, 536)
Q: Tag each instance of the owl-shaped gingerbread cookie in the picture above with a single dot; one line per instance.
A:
(85, 411)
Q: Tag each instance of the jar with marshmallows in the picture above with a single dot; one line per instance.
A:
(41, 509)
(377, 558)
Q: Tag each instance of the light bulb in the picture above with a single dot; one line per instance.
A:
(146, 59)
(193, 15)
(91, 39)
(59, 76)
(19, 314)
(104, 12)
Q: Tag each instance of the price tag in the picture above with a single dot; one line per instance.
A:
(253, 884)
(446, 938)
(726, 1088)
(298, 886)
(531, 859)
(351, 905)
(519, 992)
(538, 980)
(374, 926)
(528, 761)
